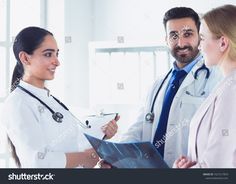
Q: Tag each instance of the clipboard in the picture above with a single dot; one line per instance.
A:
(96, 122)
(128, 155)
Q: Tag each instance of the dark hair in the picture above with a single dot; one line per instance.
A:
(27, 40)
(181, 12)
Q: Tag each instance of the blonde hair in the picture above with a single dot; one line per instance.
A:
(221, 21)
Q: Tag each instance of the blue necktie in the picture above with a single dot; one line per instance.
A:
(159, 138)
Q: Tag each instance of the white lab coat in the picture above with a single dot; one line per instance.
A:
(39, 140)
(182, 110)
(213, 128)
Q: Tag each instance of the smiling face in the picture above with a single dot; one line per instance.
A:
(41, 65)
(183, 40)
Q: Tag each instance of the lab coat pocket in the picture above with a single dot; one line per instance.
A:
(190, 104)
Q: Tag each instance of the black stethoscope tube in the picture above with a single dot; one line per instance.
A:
(31, 94)
(57, 116)
(150, 116)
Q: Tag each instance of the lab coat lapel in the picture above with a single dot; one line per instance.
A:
(189, 79)
(158, 105)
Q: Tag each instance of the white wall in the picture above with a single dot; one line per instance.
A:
(78, 25)
(140, 19)
(54, 15)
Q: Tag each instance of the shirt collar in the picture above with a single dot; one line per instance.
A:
(35, 90)
(189, 66)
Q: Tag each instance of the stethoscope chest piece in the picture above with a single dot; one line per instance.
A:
(149, 117)
(57, 116)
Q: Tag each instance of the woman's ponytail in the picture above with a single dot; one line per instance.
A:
(27, 40)
(17, 75)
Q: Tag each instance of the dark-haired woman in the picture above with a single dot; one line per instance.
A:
(38, 139)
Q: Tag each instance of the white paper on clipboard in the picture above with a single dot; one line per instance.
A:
(96, 122)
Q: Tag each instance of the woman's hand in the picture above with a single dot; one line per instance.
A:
(87, 159)
(183, 162)
(101, 164)
(110, 128)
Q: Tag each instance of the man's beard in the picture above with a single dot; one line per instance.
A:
(185, 58)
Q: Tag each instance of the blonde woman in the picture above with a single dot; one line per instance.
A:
(213, 128)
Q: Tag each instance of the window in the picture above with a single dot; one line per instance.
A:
(14, 16)
(3, 20)
(121, 75)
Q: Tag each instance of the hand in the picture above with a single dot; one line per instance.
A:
(183, 162)
(102, 164)
(110, 129)
(91, 158)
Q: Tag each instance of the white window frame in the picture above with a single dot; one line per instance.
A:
(7, 45)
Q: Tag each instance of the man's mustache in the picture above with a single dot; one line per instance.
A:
(183, 48)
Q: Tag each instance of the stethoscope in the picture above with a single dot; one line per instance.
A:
(57, 116)
(150, 116)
